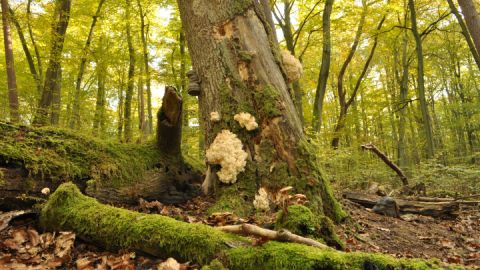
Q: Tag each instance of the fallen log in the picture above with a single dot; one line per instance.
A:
(35, 158)
(435, 209)
(115, 228)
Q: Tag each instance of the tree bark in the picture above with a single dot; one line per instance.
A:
(324, 68)
(57, 99)
(62, 17)
(131, 76)
(472, 19)
(220, 34)
(465, 32)
(427, 125)
(75, 121)
(11, 77)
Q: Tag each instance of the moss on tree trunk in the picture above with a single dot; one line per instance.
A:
(115, 228)
(237, 59)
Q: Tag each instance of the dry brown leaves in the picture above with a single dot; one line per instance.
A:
(27, 249)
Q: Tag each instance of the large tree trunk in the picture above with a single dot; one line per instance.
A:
(472, 19)
(62, 16)
(11, 77)
(233, 53)
(324, 68)
(75, 121)
(427, 125)
(465, 32)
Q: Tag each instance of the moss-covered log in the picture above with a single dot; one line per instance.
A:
(114, 228)
(34, 158)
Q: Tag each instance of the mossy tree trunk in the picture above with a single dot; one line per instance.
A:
(235, 55)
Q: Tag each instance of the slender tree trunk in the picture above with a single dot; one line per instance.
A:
(62, 15)
(32, 39)
(121, 98)
(75, 123)
(26, 50)
(324, 68)
(141, 102)
(57, 99)
(427, 126)
(472, 19)
(465, 32)
(279, 155)
(99, 118)
(11, 77)
(131, 76)
(144, 36)
(402, 156)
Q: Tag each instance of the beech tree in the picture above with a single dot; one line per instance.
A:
(62, 17)
(238, 63)
(11, 78)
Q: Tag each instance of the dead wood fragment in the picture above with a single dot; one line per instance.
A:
(435, 209)
(387, 161)
(282, 235)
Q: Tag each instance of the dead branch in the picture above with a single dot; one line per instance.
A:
(281, 235)
(387, 161)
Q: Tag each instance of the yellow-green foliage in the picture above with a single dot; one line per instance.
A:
(60, 155)
(115, 228)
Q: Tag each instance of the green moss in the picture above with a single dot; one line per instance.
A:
(115, 228)
(214, 265)
(302, 221)
(270, 101)
(278, 256)
(58, 155)
(313, 176)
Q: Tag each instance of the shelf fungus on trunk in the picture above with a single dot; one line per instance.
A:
(194, 86)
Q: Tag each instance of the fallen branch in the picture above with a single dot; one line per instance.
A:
(114, 228)
(387, 161)
(282, 235)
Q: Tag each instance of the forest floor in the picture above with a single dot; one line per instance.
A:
(453, 241)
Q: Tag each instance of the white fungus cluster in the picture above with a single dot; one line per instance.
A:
(246, 120)
(215, 117)
(261, 201)
(293, 67)
(227, 151)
